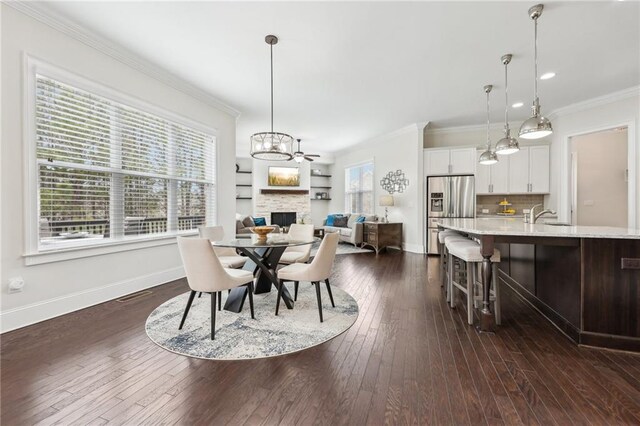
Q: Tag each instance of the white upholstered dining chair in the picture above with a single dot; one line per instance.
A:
(206, 274)
(227, 255)
(298, 254)
(318, 270)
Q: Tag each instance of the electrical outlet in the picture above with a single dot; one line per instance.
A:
(16, 284)
(630, 263)
(485, 211)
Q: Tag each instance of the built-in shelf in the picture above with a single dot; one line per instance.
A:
(244, 172)
(285, 191)
(321, 199)
(327, 176)
(243, 198)
(321, 187)
(247, 185)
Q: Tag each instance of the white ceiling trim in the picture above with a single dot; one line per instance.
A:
(595, 102)
(38, 11)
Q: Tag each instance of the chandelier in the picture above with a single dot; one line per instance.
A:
(271, 145)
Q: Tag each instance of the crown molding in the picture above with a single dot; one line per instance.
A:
(595, 102)
(43, 14)
(469, 128)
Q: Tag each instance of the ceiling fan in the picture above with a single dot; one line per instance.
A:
(300, 156)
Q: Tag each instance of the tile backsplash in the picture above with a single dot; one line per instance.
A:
(518, 202)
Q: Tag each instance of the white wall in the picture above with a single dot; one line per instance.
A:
(466, 136)
(617, 109)
(398, 150)
(55, 288)
(602, 193)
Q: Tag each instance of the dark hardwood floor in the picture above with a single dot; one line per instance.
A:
(408, 359)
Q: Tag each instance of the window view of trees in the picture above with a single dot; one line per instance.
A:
(113, 171)
(359, 189)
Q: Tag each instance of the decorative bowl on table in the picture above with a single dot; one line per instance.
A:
(262, 232)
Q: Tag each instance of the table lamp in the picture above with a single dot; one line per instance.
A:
(386, 201)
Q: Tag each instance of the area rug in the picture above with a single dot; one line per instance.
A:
(240, 337)
(343, 248)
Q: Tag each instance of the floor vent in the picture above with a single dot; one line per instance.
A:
(134, 296)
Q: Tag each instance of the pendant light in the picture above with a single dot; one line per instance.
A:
(488, 157)
(507, 145)
(536, 126)
(271, 145)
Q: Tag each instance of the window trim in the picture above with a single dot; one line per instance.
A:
(373, 184)
(32, 254)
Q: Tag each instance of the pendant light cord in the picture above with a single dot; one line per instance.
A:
(535, 60)
(506, 98)
(488, 125)
(271, 50)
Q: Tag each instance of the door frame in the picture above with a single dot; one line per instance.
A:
(633, 150)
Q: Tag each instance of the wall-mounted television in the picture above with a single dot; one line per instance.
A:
(284, 176)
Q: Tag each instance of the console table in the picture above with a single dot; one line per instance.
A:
(379, 235)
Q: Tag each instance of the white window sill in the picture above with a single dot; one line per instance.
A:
(81, 251)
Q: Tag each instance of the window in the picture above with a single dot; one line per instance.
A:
(359, 189)
(109, 172)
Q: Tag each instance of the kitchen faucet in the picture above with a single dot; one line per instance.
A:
(534, 217)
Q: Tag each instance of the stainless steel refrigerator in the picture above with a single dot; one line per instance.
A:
(451, 197)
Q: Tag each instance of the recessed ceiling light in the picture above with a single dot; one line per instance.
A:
(517, 105)
(547, 76)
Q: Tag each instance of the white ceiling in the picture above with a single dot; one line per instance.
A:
(346, 72)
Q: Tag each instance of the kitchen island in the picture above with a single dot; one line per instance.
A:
(584, 279)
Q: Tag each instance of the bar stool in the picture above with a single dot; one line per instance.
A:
(469, 252)
(444, 275)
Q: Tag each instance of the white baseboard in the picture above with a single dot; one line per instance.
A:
(413, 248)
(41, 311)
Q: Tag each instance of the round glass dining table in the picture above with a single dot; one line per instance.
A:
(263, 261)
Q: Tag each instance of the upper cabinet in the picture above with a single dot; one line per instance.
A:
(525, 172)
(529, 170)
(458, 161)
(493, 179)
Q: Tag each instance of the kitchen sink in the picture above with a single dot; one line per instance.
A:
(557, 224)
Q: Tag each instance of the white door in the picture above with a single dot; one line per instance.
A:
(519, 172)
(539, 169)
(483, 177)
(436, 162)
(463, 161)
(500, 176)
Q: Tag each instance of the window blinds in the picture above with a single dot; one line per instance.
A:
(359, 188)
(111, 170)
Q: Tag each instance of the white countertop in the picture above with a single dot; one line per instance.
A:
(516, 227)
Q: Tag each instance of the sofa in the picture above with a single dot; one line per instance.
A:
(245, 223)
(352, 231)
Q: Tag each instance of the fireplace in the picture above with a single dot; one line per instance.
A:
(283, 218)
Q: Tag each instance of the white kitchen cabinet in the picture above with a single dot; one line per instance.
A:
(519, 171)
(539, 169)
(463, 161)
(436, 162)
(458, 161)
(529, 170)
(500, 176)
(493, 179)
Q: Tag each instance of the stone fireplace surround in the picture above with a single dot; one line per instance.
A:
(281, 200)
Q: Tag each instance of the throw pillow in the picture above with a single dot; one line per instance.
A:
(330, 219)
(360, 219)
(340, 221)
(248, 222)
(260, 221)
